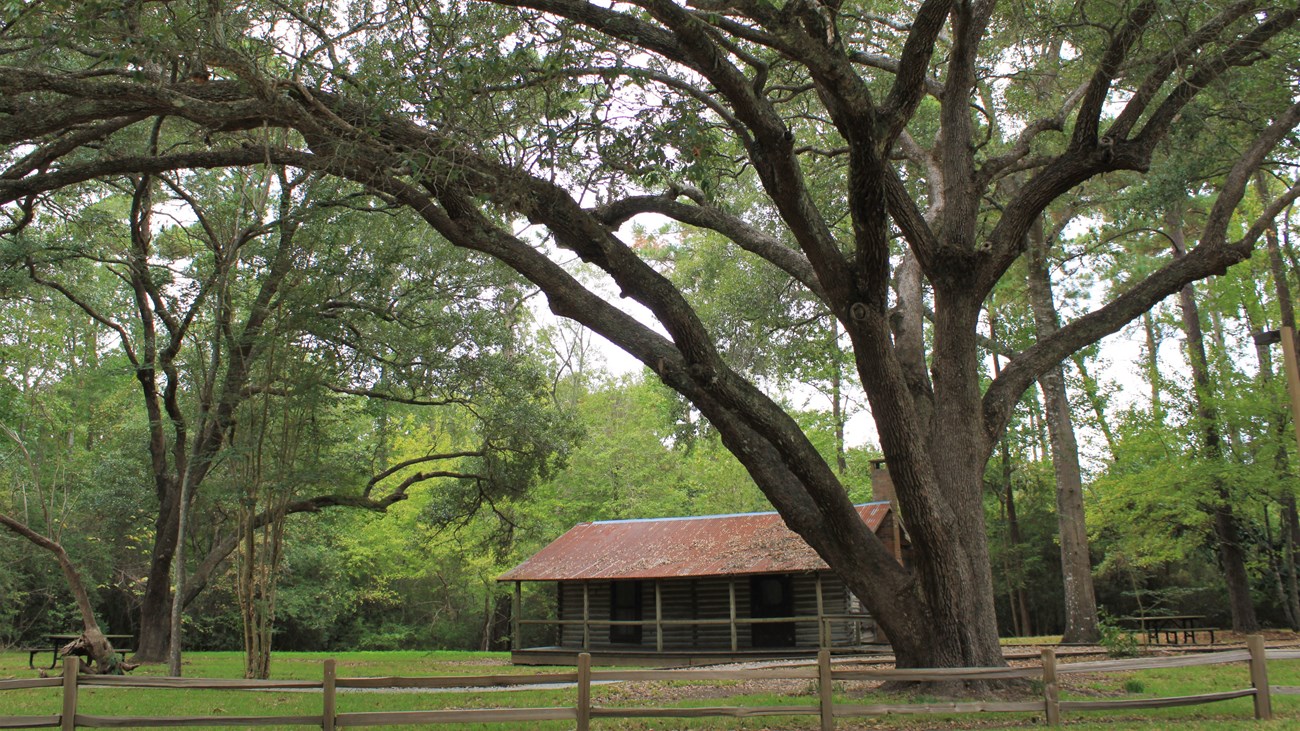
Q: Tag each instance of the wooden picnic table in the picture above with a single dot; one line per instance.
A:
(59, 640)
(1174, 627)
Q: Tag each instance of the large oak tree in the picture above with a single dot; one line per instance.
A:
(849, 145)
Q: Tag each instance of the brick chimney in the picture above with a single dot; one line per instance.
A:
(882, 489)
(882, 485)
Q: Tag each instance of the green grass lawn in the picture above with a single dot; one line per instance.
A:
(308, 666)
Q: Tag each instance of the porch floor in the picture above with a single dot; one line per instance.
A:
(624, 655)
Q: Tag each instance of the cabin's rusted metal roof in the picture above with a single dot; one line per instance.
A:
(715, 545)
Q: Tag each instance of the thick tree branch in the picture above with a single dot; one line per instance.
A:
(1088, 120)
(70, 573)
(394, 398)
(1243, 52)
(1176, 58)
(745, 236)
(66, 176)
(425, 459)
(995, 166)
(909, 84)
(1213, 256)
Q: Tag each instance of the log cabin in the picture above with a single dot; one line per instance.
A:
(692, 590)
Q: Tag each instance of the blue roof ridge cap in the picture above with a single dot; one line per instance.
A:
(708, 517)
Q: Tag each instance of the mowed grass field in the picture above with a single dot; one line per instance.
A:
(309, 666)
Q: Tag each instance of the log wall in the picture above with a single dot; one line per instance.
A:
(708, 598)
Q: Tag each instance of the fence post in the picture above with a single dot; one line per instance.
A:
(327, 696)
(1259, 677)
(826, 689)
(1051, 693)
(584, 691)
(71, 668)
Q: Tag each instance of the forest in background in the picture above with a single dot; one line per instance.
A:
(420, 572)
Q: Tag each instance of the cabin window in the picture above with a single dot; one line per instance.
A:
(625, 606)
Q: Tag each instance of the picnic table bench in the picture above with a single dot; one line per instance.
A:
(56, 641)
(1175, 628)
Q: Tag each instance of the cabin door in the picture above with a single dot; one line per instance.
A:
(625, 605)
(771, 596)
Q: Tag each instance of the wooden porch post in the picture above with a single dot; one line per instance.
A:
(731, 593)
(659, 617)
(586, 616)
(516, 608)
(823, 631)
(695, 610)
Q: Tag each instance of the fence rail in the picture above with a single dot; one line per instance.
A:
(583, 710)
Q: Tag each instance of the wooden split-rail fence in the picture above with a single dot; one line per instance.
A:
(583, 711)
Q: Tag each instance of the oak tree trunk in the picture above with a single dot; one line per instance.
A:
(156, 604)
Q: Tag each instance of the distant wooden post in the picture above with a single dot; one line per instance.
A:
(586, 616)
(516, 612)
(1051, 693)
(659, 617)
(328, 687)
(1259, 677)
(731, 593)
(71, 668)
(695, 611)
(825, 689)
(584, 691)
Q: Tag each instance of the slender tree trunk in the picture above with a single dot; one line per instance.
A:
(1226, 529)
(837, 400)
(1038, 422)
(1016, 579)
(1290, 522)
(1076, 562)
(177, 608)
(1153, 367)
(1290, 527)
(1269, 549)
(1091, 390)
(1015, 565)
(92, 643)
